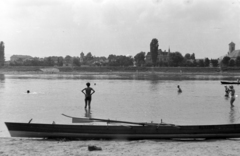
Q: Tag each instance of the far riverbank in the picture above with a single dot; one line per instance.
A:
(120, 70)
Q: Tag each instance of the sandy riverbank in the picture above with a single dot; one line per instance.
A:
(172, 71)
(41, 147)
(119, 73)
(119, 70)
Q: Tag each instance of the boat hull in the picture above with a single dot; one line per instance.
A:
(122, 132)
(229, 82)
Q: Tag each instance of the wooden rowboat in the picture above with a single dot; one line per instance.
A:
(130, 130)
(230, 82)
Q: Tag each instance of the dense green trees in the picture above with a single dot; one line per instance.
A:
(189, 60)
(2, 54)
(76, 61)
(231, 63)
(237, 62)
(200, 63)
(153, 58)
(140, 59)
(88, 57)
(120, 60)
(176, 59)
(226, 60)
(206, 62)
(154, 50)
(187, 56)
(214, 62)
(192, 56)
(36, 61)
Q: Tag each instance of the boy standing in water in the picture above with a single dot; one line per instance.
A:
(232, 93)
(226, 91)
(88, 95)
(179, 89)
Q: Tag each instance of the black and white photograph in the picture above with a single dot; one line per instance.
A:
(120, 77)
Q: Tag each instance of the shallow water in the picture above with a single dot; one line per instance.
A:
(119, 97)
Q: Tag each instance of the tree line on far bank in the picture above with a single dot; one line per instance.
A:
(155, 58)
(228, 62)
(139, 60)
(176, 60)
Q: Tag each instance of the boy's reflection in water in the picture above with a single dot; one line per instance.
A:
(232, 115)
(88, 113)
(2, 80)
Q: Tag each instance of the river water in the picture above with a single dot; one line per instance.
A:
(142, 98)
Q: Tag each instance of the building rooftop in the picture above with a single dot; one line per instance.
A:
(234, 54)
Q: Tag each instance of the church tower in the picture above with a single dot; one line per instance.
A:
(81, 57)
(231, 47)
(168, 56)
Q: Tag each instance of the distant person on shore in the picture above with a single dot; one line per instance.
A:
(179, 89)
(232, 93)
(226, 91)
(88, 95)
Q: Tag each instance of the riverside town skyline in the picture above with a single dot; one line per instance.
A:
(156, 57)
(42, 28)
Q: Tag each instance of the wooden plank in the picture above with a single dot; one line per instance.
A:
(108, 121)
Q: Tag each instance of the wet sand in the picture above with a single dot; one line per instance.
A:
(42, 147)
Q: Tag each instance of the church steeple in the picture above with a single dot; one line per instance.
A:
(231, 47)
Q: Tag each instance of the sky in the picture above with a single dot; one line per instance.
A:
(42, 28)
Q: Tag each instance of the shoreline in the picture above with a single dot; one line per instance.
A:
(120, 70)
(27, 146)
(121, 73)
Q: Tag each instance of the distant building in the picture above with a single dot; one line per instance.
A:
(20, 58)
(232, 53)
(100, 61)
(148, 58)
(2, 54)
(163, 57)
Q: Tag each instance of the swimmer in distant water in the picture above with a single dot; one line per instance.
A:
(226, 91)
(232, 93)
(179, 89)
(88, 95)
(28, 91)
